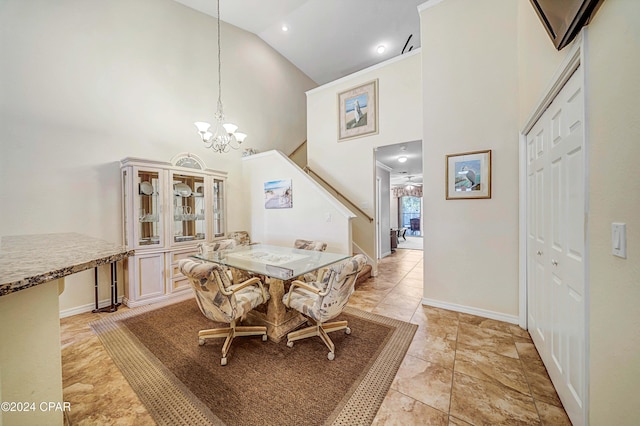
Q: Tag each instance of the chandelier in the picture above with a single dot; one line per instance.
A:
(222, 136)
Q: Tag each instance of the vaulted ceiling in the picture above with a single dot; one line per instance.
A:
(329, 39)
(326, 39)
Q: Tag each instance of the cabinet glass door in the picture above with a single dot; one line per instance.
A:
(149, 210)
(189, 222)
(218, 208)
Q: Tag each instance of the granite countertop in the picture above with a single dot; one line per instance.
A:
(29, 260)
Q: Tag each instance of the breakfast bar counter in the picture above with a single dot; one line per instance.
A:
(31, 270)
(30, 260)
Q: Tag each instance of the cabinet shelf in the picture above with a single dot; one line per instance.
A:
(149, 242)
(192, 195)
(188, 219)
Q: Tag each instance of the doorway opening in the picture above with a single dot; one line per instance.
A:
(399, 205)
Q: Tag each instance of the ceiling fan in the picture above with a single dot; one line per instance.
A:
(411, 183)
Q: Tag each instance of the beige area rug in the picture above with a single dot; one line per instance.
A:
(179, 382)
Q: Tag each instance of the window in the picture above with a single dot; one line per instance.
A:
(410, 212)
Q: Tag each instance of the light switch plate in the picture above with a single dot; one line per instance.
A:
(619, 239)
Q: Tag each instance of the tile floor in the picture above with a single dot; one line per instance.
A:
(460, 369)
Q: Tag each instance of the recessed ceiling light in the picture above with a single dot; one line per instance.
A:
(380, 49)
(285, 28)
(402, 159)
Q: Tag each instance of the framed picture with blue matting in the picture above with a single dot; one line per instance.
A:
(468, 175)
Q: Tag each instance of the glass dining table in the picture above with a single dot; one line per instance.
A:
(279, 265)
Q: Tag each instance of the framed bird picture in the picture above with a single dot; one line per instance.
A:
(468, 175)
(358, 111)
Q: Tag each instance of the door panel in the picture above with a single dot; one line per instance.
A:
(555, 323)
(557, 219)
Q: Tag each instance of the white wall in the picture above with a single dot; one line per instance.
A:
(612, 60)
(538, 60)
(613, 116)
(393, 210)
(384, 218)
(469, 73)
(612, 109)
(350, 165)
(84, 84)
(316, 215)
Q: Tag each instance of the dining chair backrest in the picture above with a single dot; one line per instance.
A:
(340, 283)
(310, 245)
(241, 237)
(208, 281)
(205, 248)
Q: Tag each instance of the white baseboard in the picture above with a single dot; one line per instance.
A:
(183, 295)
(86, 308)
(179, 296)
(512, 319)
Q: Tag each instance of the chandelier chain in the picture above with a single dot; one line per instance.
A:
(223, 136)
(219, 65)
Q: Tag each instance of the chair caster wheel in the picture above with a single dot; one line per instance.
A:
(264, 337)
(290, 344)
(223, 361)
(347, 330)
(201, 342)
(331, 356)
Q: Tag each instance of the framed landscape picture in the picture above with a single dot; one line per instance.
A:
(468, 175)
(358, 111)
(278, 194)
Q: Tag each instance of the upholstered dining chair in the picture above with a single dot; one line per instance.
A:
(226, 244)
(242, 237)
(204, 248)
(236, 275)
(221, 300)
(310, 245)
(322, 301)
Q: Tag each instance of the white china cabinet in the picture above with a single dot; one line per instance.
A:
(167, 209)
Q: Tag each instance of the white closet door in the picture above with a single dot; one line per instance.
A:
(556, 243)
(536, 234)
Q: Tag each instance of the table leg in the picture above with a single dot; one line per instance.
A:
(276, 310)
(278, 320)
(113, 290)
(114, 284)
(95, 285)
(114, 287)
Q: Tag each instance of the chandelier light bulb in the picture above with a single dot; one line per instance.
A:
(230, 128)
(402, 159)
(202, 126)
(240, 136)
